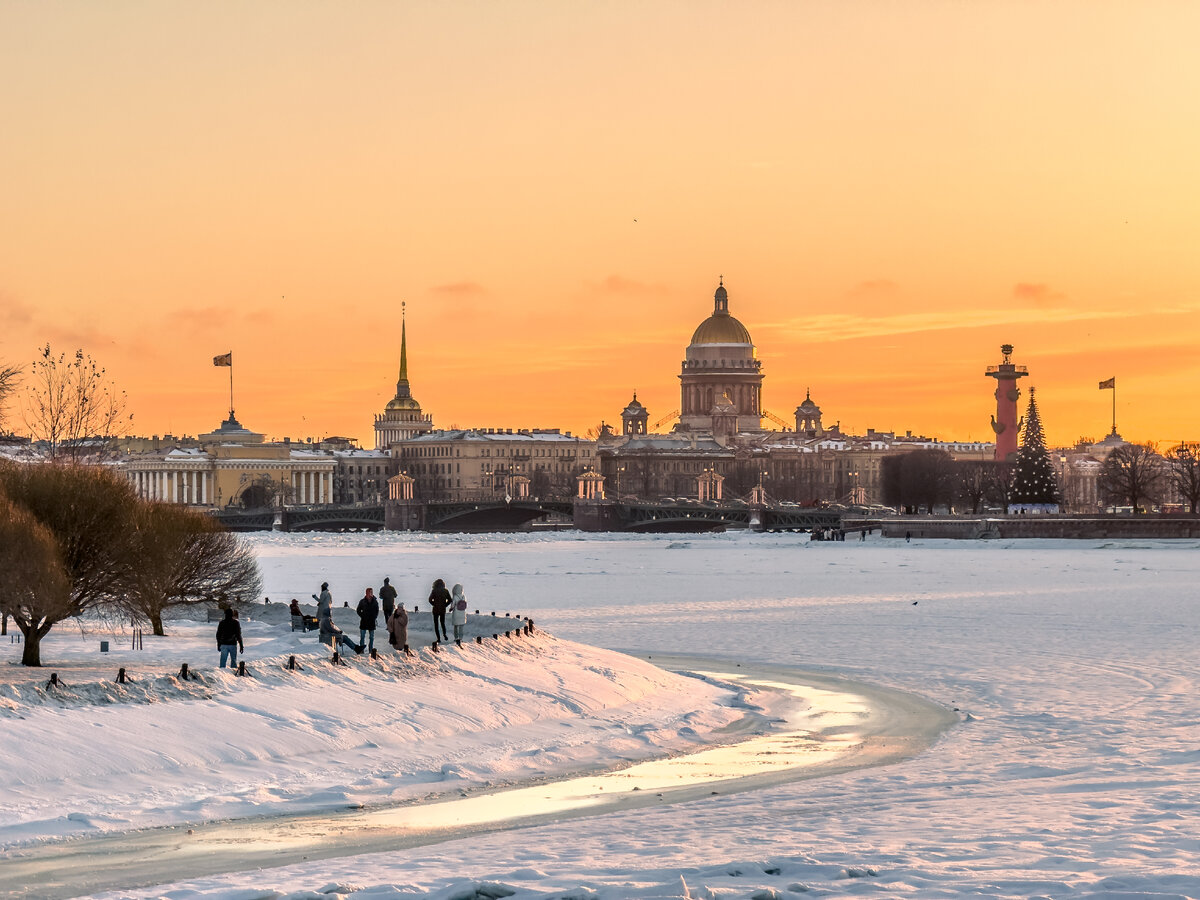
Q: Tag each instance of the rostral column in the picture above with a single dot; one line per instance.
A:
(1005, 422)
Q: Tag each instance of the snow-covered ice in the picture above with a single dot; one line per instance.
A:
(1073, 665)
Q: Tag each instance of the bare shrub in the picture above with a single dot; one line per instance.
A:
(180, 557)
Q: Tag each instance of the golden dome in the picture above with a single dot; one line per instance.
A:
(403, 403)
(721, 327)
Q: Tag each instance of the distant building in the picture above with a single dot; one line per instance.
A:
(720, 433)
(721, 370)
(494, 463)
(402, 417)
(218, 475)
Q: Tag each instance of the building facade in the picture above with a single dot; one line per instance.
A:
(489, 463)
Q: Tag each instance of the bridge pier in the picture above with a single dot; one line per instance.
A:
(404, 515)
(758, 517)
(596, 515)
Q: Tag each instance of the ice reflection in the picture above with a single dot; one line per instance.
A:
(818, 726)
(812, 730)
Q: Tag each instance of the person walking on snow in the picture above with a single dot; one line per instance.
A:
(368, 618)
(439, 599)
(458, 612)
(397, 626)
(229, 639)
(387, 598)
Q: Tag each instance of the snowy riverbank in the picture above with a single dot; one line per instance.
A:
(1075, 773)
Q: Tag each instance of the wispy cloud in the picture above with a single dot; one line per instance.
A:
(619, 284)
(459, 289)
(847, 327)
(1036, 293)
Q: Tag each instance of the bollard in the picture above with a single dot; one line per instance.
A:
(241, 669)
(507, 615)
(416, 609)
(476, 612)
(183, 672)
(292, 664)
(120, 676)
(53, 682)
(493, 614)
(495, 637)
(479, 638)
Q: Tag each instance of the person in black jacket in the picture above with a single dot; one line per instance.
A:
(439, 599)
(229, 639)
(368, 618)
(387, 598)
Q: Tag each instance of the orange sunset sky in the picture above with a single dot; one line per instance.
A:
(890, 189)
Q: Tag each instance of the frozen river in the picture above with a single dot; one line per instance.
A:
(1075, 773)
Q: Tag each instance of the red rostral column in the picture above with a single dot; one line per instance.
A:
(1005, 422)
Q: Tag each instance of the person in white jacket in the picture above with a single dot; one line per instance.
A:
(458, 611)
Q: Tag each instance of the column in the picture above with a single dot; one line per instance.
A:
(176, 486)
(321, 481)
(204, 487)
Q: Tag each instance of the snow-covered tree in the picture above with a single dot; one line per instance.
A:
(1034, 482)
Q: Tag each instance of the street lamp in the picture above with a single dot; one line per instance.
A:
(620, 469)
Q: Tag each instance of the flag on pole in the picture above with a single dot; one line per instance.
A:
(1111, 384)
(226, 359)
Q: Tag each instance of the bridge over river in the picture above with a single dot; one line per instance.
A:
(498, 515)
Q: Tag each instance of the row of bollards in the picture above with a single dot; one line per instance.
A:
(185, 673)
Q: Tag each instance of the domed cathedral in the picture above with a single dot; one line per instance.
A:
(402, 417)
(720, 370)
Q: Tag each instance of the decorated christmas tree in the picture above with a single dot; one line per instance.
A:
(1034, 481)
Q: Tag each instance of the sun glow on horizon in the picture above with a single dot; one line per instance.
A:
(890, 191)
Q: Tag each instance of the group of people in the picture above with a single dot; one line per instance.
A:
(395, 619)
(395, 616)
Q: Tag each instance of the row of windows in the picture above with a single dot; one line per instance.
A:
(499, 451)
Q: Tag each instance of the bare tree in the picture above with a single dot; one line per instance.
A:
(918, 478)
(88, 511)
(9, 377)
(179, 557)
(1131, 475)
(973, 482)
(72, 405)
(1183, 467)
